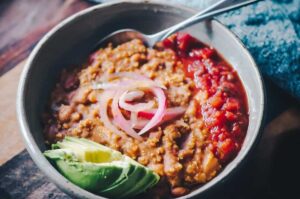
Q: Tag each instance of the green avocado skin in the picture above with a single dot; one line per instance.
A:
(118, 190)
(118, 176)
(149, 179)
(89, 176)
(123, 177)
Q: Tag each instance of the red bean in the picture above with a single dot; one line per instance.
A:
(179, 191)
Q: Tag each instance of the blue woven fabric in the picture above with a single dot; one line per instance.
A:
(271, 32)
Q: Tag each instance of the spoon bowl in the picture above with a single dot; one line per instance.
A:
(124, 35)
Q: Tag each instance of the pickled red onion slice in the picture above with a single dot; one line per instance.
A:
(170, 113)
(159, 114)
(120, 120)
(137, 123)
(133, 107)
(105, 98)
(133, 119)
(125, 88)
(133, 95)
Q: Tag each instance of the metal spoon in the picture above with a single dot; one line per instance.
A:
(220, 6)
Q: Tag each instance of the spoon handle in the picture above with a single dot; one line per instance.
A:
(213, 10)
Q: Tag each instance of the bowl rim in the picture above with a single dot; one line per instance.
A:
(62, 183)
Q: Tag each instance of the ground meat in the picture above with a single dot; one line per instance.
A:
(180, 151)
(172, 165)
(180, 95)
(81, 95)
(65, 112)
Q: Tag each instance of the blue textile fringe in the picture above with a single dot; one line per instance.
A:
(271, 32)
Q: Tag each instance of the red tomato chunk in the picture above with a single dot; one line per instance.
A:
(225, 111)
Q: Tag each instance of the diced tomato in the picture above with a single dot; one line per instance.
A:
(185, 42)
(207, 53)
(216, 101)
(190, 69)
(224, 109)
(202, 53)
(228, 149)
(169, 43)
(231, 105)
(230, 116)
(145, 115)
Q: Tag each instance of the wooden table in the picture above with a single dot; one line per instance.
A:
(23, 23)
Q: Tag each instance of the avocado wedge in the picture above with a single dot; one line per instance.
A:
(99, 169)
(145, 183)
(89, 151)
(88, 175)
(118, 190)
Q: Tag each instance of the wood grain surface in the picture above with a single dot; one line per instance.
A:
(24, 22)
(10, 140)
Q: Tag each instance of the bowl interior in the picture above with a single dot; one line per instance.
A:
(70, 43)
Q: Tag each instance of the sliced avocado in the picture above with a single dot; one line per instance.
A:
(92, 176)
(117, 190)
(89, 151)
(152, 182)
(124, 177)
(89, 143)
(155, 180)
(99, 169)
(142, 185)
(61, 154)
